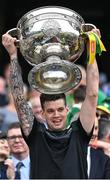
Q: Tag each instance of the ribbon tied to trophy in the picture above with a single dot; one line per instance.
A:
(94, 47)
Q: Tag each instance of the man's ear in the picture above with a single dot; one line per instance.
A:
(67, 108)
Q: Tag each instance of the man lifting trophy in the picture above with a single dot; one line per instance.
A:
(51, 39)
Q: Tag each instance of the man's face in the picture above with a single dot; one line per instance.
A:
(55, 114)
(16, 141)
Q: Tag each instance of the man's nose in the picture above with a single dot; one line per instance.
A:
(56, 113)
(17, 139)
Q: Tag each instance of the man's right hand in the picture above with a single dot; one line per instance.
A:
(9, 44)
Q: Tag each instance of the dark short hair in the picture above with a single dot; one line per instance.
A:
(3, 135)
(14, 125)
(51, 97)
(80, 93)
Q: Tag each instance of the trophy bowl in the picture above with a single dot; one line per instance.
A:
(50, 39)
(50, 30)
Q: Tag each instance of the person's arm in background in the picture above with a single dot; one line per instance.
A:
(10, 169)
(101, 144)
(16, 83)
(88, 109)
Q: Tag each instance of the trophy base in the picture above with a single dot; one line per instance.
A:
(54, 77)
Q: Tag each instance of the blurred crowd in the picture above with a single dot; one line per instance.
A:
(14, 146)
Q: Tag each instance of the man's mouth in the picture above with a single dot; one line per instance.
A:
(58, 122)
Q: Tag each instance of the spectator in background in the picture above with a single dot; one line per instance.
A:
(99, 153)
(104, 134)
(3, 92)
(103, 104)
(104, 84)
(101, 94)
(103, 109)
(33, 93)
(79, 97)
(98, 164)
(70, 94)
(36, 108)
(102, 79)
(8, 114)
(106, 88)
(19, 150)
(98, 157)
(7, 170)
(1, 122)
(6, 73)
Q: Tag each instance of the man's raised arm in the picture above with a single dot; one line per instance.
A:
(16, 84)
(88, 109)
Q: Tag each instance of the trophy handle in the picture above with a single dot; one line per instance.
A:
(87, 27)
(14, 33)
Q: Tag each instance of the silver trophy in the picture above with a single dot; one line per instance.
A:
(50, 40)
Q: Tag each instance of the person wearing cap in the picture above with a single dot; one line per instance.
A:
(103, 109)
(6, 164)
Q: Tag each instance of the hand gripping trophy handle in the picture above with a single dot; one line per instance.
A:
(87, 27)
(14, 32)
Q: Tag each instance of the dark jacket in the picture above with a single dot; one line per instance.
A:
(3, 169)
(100, 165)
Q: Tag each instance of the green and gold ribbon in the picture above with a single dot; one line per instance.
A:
(91, 50)
(94, 47)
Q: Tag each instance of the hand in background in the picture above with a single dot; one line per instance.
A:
(10, 169)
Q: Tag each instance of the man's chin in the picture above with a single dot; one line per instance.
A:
(58, 128)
